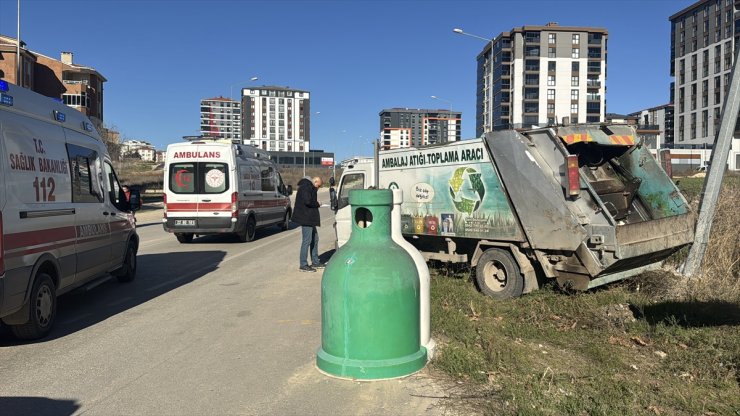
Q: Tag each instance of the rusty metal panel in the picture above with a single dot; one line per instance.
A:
(536, 196)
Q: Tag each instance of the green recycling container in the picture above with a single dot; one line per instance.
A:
(370, 299)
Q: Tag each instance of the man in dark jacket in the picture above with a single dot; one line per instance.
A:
(306, 214)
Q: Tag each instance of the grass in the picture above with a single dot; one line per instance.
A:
(656, 344)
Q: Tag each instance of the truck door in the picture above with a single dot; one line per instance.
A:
(344, 210)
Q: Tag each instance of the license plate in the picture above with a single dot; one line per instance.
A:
(185, 222)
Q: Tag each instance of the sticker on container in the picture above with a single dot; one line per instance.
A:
(423, 192)
(215, 178)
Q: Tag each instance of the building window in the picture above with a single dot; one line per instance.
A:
(550, 94)
(551, 108)
(574, 108)
(576, 39)
(551, 52)
(551, 66)
(574, 95)
(575, 66)
(573, 81)
(717, 89)
(551, 80)
(551, 37)
(576, 53)
(693, 96)
(680, 128)
(704, 123)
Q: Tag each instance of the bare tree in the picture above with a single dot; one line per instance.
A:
(112, 139)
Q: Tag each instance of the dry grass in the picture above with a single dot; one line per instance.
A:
(720, 272)
(657, 344)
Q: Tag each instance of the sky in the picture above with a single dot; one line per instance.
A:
(356, 57)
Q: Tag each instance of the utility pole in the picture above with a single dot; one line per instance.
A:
(18, 49)
(716, 171)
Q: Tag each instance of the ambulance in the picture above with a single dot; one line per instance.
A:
(220, 187)
(64, 219)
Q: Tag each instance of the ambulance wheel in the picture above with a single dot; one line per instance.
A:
(43, 310)
(184, 238)
(250, 229)
(128, 271)
(286, 222)
(498, 276)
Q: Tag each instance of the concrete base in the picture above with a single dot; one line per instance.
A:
(349, 369)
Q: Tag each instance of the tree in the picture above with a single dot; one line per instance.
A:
(112, 139)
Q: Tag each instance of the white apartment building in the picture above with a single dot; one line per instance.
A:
(539, 75)
(220, 118)
(276, 118)
(144, 149)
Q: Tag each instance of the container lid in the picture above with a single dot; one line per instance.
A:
(370, 197)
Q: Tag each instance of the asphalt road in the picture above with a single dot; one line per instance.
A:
(209, 328)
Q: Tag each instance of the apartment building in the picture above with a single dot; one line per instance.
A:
(539, 75)
(703, 43)
(78, 86)
(407, 127)
(655, 125)
(221, 118)
(276, 118)
(145, 150)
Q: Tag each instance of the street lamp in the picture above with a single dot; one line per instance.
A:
(231, 87)
(445, 100)
(490, 62)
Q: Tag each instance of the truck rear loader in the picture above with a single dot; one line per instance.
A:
(582, 204)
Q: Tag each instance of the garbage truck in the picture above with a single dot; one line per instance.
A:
(583, 205)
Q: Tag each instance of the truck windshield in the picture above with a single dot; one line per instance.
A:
(199, 178)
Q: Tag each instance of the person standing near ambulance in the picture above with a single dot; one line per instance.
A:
(306, 214)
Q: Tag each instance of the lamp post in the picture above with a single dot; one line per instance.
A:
(18, 48)
(445, 100)
(231, 87)
(490, 63)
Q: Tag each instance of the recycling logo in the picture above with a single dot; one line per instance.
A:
(465, 201)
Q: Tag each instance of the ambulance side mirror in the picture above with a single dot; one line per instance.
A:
(333, 202)
(135, 200)
(289, 190)
(332, 182)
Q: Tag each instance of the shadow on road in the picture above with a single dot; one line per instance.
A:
(232, 238)
(157, 274)
(37, 406)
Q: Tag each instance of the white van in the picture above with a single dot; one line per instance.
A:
(63, 216)
(217, 187)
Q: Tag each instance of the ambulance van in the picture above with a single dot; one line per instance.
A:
(63, 216)
(219, 187)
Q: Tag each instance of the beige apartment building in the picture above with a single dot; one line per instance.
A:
(78, 86)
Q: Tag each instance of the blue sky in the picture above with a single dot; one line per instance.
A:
(355, 57)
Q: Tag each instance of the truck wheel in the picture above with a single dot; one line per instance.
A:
(286, 222)
(498, 276)
(128, 270)
(184, 238)
(43, 310)
(250, 229)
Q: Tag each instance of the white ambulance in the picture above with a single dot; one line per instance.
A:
(217, 187)
(63, 216)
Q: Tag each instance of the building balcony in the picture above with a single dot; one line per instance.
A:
(593, 97)
(593, 84)
(648, 129)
